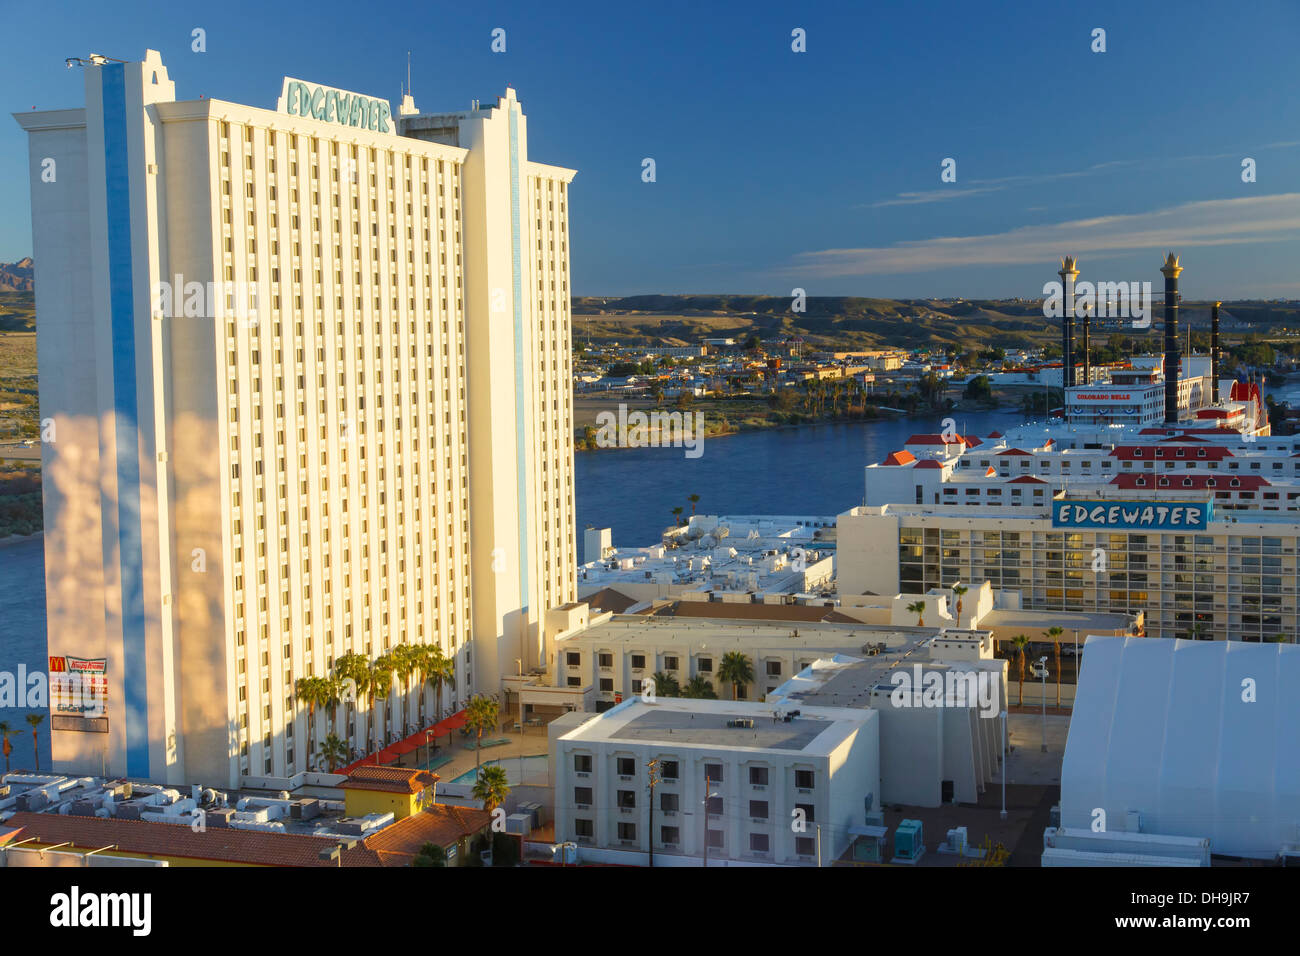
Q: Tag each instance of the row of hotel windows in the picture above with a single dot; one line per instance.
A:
(670, 771)
(1106, 465)
(584, 830)
(1174, 543)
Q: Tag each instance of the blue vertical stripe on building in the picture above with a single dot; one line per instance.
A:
(126, 418)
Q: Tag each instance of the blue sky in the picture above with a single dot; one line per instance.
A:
(777, 169)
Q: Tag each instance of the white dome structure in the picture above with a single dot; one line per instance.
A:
(1190, 739)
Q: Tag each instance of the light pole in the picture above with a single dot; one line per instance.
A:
(652, 775)
(1003, 815)
(708, 795)
(1040, 671)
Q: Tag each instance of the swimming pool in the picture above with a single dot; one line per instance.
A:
(532, 770)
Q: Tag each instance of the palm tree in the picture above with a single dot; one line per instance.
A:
(333, 750)
(352, 667)
(491, 787)
(430, 855)
(918, 608)
(403, 658)
(331, 695)
(666, 685)
(6, 732)
(694, 500)
(440, 670)
(421, 654)
(959, 590)
(1021, 644)
(380, 686)
(699, 688)
(309, 691)
(677, 517)
(1196, 631)
(36, 720)
(480, 714)
(736, 670)
(1055, 634)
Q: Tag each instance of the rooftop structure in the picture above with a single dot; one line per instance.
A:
(1186, 739)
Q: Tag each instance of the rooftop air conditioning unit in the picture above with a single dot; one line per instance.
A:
(746, 723)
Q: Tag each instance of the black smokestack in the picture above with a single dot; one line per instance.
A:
(1214, 351)
(1173, 355)
(1068, 272)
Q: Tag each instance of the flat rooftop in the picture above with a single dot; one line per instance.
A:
(631, 631)
(685, 723)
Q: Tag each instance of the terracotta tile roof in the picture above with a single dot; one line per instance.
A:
(388, 779)
(216, 844)
(899, 458)
(439, 824)
(929, 463)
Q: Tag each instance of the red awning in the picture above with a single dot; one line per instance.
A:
(409, 744)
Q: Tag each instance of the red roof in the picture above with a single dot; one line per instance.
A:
(929, 463)
(1147, 453)
(899, 458)
(995, 434)
(1013, 451)
(215, 844)
(388, 779)
(932, 439)
(413, 742)
(1026, 480)
(439, 824)
(1192, 482)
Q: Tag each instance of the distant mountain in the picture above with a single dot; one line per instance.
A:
(16, 276)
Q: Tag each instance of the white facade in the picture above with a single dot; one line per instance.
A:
(237, 497)
(1186, 739)
(773, 785)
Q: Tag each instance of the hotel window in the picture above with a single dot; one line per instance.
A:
(713, 772)
(803, 780)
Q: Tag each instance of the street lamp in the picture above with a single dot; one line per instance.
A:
(1040, 671)
(1003, 815)
(708, 795)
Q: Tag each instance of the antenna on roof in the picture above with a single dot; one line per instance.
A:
(408, 71)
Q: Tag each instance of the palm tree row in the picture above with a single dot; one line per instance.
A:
(360, 683)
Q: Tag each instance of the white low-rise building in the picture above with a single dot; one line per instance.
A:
(767, 787)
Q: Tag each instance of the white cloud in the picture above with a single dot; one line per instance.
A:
(1216, 222)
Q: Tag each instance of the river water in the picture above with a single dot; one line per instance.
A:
(810, 470)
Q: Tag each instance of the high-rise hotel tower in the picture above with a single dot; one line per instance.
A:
(308, 385)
